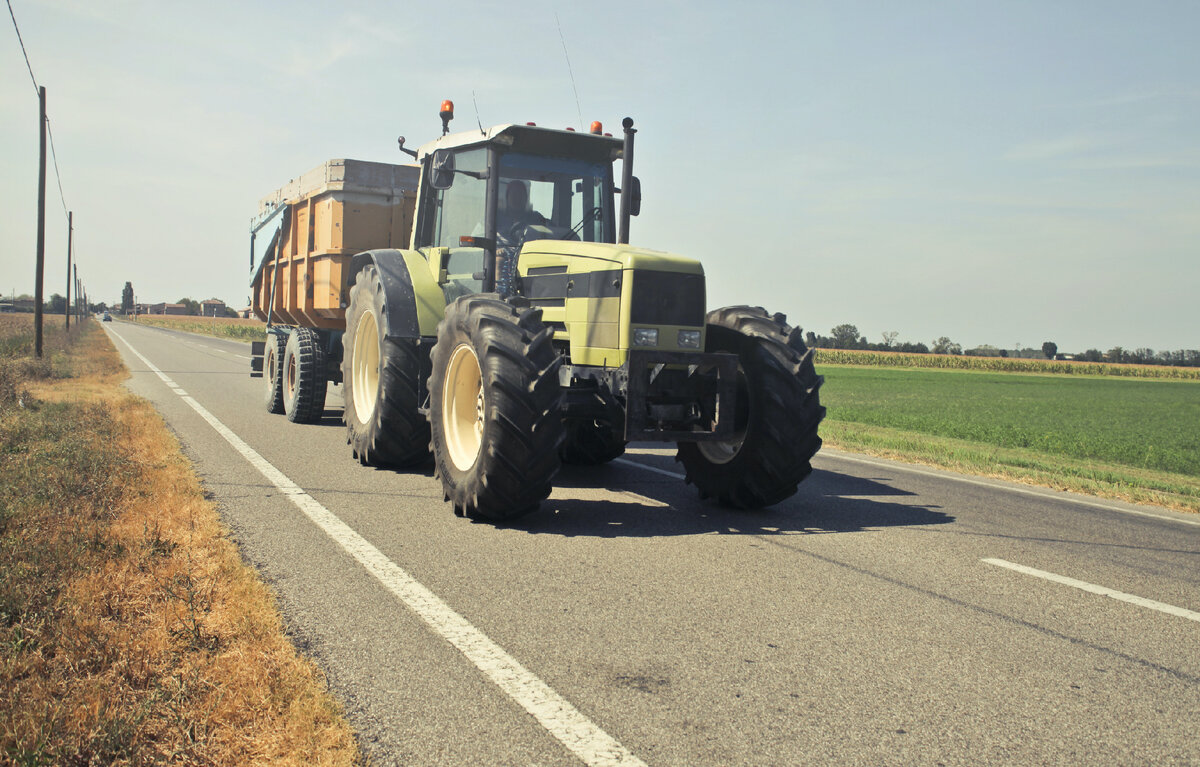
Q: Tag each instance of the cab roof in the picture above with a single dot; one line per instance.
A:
(533, 139)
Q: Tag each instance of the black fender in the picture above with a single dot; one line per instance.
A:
(400, 298)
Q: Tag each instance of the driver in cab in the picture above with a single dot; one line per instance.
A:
(517, 214)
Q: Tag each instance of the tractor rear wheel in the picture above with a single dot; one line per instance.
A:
(494, 407)
(304, 376)
(381, 382)
(273, 371)
(778, 410)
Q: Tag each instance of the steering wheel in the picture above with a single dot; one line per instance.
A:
(513, 236)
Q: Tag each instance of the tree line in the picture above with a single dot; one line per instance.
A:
(847, 337)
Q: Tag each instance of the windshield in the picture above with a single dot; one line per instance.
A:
(563, 198)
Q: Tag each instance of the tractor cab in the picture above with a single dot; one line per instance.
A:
(483, 195)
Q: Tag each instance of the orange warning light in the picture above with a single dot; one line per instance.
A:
(447, 115)
(597, 128)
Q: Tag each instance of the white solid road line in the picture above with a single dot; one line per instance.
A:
(1101, 590)
(1008, 486)
(566, 723)
(1005, 487)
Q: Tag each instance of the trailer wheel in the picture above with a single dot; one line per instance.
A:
(494, 408)
(590, 443)
(273, 371)
(778, 410)
(381, 379)
(304, 376)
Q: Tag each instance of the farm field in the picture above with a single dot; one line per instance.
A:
(221, 327)
(1128, 438)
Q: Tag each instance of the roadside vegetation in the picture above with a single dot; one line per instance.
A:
(1001, 364)
(130, 630)
(1137, 440)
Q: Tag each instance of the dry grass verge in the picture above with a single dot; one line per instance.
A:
(130, 630)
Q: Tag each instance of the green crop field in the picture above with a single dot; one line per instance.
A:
(1120, 432)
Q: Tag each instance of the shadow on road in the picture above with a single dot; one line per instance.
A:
(827, 502)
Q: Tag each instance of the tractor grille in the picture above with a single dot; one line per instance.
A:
(668, 298)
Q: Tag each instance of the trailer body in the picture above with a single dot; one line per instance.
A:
(316, 224)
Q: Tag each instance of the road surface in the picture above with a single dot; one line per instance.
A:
(887, 614)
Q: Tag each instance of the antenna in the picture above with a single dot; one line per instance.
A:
(476, 103)
(567, 56)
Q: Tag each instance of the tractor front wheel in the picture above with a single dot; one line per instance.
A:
(778, 410)
(494, 408)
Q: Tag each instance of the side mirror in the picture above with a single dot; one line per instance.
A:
(635, 196)
(441, 169)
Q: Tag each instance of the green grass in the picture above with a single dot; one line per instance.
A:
(1110, 436)
(1001, 364)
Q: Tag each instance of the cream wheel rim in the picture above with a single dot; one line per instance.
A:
(272, 367)
(462, 407)
(720, 453)
(365, 366)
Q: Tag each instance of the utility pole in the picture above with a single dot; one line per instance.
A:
(41, 225)
(70, 231)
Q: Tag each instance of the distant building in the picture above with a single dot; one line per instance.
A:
(167, 309)
(212, 308)
(16, 305)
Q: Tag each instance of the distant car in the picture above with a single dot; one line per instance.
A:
(107, 317)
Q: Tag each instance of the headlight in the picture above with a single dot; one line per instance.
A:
(689, 339)
(645, 336)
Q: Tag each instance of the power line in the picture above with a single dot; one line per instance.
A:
(57, 175)
(22, 42)
(53, 154)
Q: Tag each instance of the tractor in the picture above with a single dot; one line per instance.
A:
(517, 329)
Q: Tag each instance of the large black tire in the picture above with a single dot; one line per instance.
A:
(273, 352)
(304, 377)
(777, 414)
(494, 407)
(590, 443)
(381, 382)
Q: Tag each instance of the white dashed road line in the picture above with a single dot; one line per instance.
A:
(1101, 590)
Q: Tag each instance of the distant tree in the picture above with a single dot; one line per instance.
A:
(944, 345)
(190, 306)
(231, 313)
(1049, 349)
(1004, 352)
(983, 350)
(845, 337)
(1116, 354)
(889, 338)
(56, 305)
(127, 298)
(1091, 355)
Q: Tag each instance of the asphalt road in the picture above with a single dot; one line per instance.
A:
(887, 614)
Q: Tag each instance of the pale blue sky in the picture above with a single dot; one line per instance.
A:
(999, 173)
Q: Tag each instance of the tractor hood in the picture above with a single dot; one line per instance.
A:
(591, 256)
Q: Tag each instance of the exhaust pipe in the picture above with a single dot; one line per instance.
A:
(626, 181)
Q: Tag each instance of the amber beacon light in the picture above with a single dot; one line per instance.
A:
(447, 115)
